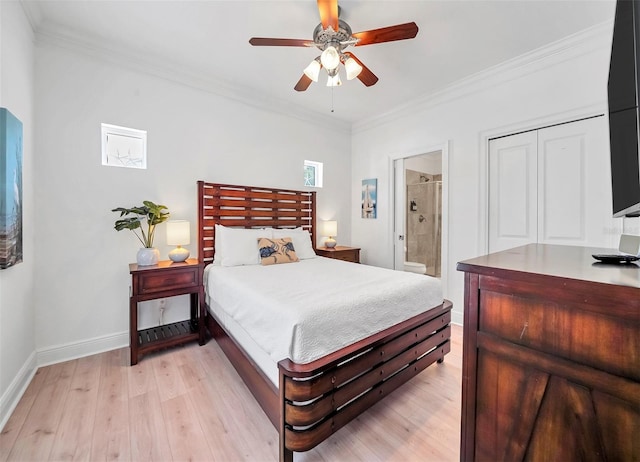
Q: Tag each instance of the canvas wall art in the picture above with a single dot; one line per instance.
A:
(11, 187)
(370, 198)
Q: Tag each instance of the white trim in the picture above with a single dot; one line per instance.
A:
(16, 389)
(69, 351)
(567, 48)
(33, 12)
(444, 257)
(51, 35)
(510, 129)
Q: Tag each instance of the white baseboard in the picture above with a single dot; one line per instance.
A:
(69, 351)
(457, 317)
(54, 355)
(18, 386)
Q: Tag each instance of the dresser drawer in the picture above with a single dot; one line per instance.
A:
(167, 280)
(571, 332)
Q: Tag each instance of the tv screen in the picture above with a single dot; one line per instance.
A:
(624, 118)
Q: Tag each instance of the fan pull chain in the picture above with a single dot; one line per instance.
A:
(332, 87)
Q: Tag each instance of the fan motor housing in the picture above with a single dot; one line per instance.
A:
(321, 36)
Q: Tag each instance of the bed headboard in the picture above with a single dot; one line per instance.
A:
(250, 207)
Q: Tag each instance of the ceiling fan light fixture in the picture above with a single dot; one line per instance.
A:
(330, 58)
(313, 70)
(334, 80)
(353, 68)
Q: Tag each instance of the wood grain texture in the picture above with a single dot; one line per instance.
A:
(551, 356)
(207, 413)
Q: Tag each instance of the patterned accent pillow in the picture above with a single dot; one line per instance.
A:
(274, 251)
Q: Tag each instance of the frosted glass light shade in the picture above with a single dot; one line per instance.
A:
(330, 58)
(334, 81)
(353, 68)
(178, 234)
(313, 70)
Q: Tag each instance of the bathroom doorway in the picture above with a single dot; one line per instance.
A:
(423, 205)
(420, 223)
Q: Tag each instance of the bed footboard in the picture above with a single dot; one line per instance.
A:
(319, 398)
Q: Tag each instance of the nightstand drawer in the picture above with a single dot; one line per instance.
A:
(347, 255)
(344, 253)
(167, 280)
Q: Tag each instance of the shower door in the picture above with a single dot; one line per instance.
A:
(424, 224)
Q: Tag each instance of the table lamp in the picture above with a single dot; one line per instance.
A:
(330, 229)
(178, 234)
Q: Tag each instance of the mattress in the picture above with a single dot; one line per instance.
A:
(306, 310)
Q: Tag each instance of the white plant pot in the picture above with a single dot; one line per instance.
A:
(148, 256)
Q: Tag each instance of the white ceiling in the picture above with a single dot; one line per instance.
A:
(210, 38)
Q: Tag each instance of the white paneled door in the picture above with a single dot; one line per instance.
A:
(513, 202)
(551, 186)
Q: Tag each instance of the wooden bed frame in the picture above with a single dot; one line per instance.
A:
(314, 400)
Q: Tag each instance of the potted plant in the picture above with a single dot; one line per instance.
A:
(154, 215)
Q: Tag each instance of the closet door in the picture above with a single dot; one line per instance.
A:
(574, 189)
(551, 186)
(513, 199)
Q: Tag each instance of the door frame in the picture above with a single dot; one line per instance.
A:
(444, 257)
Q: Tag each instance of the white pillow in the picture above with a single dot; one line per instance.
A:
(301, 241)
(238, 246)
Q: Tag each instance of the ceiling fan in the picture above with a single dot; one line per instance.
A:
(333, 36)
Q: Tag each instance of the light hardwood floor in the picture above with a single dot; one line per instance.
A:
(188, 403)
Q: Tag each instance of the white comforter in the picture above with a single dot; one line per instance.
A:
(308, 309)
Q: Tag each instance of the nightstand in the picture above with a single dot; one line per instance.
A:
(166, 279)
(340, 252)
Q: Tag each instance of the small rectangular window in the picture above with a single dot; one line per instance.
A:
(313, 174)
(124, 147)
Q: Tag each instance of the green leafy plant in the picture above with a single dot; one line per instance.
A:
(153, 214)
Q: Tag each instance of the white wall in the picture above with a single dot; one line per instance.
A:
(17, 340)
(83, 276)
(550, 85)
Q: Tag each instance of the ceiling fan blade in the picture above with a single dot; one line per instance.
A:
(366, 76)
(280, 42)
(303, 83)
(328, 13)
(387, 34)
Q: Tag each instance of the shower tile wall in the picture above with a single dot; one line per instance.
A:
(424, 227)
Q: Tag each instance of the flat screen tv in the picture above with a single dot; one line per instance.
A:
(624, 118)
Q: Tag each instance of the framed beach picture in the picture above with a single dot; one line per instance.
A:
(11, 187)
(369, 198)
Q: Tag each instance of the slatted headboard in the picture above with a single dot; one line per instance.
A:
(250, 207)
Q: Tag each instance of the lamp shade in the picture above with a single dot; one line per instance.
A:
(178, 232)
(329, 228)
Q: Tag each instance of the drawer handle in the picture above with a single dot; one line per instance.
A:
(524, 328)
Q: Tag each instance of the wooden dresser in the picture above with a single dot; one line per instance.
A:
(551, 356)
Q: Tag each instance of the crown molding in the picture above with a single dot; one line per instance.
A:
(51, 35)
(570, 47)
(33, 12)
